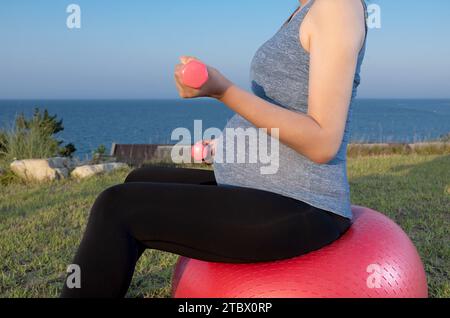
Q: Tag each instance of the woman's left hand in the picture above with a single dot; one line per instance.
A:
(215, 87)
(211, 146)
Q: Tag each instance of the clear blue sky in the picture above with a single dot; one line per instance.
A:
(127, 49)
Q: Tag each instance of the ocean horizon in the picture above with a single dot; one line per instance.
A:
(90, 123)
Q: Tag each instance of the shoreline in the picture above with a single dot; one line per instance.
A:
(142, 154)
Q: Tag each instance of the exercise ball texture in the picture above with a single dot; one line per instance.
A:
(374, 259)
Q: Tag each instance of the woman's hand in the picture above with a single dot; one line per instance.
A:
(211, 151)
(215, 87)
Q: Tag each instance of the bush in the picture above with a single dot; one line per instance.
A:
(445, 138)
(3, 138)
(34, 138)
(7, 177)
(67, 150)
(100, 151)
(99, 155)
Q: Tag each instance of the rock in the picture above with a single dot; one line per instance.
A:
(62, 163)
(63, 173)
(42, 170)
(88, 171)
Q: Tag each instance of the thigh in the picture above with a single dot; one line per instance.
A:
(221, 224)
(172, 175)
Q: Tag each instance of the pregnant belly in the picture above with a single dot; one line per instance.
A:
(261, 163)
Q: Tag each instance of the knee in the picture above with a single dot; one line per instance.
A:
(107, 205)
(134, 176)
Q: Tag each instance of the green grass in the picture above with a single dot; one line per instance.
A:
(41, 225)
(427, 148)
(415, 192)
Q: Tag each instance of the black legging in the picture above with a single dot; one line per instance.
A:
(184, 212)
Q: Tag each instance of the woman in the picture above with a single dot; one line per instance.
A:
(304, 81)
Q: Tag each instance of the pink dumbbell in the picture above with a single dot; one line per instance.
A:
(200, 151)
(194, 74)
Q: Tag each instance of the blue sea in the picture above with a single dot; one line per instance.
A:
(90, 123)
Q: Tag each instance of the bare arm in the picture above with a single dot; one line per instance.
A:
(335, 32)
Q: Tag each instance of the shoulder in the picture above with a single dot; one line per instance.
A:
(338, 8)
(339, 19)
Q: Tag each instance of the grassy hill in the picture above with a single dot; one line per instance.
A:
(41, 225)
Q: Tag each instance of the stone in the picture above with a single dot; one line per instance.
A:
(88, 171)
(42, 170)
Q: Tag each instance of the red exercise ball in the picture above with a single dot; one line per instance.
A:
(374, 259)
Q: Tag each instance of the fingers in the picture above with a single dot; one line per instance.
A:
(178, 68)
(211, 144)
(187, 59)
(179, 88)
(210, 153)
(183, 90)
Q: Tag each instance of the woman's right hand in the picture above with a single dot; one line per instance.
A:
(215, 87)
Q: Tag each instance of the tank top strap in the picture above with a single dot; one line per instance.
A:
(298, 17)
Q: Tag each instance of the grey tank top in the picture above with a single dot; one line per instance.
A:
(280, 75)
